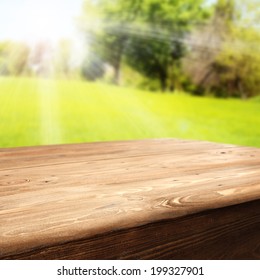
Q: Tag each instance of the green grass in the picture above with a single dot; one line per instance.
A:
(39, 112)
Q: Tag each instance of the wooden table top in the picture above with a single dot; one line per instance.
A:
(55, 194)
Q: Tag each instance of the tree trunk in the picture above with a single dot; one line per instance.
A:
(117, 68)
(172, 77)
(172, 88)
(243, 94)
(118, 58)
(163, 81)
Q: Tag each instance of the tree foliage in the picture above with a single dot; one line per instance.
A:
(14, 58)
(146, 34)
(238, 65)
(225, 60)
(103, 22)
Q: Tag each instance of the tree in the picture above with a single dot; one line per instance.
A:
(103, 21)
(146, 34)
(224, 57)
(205, 44)
(4, 51)
(157, 51)
(18, 59)
(238, 65)
(151, 58)
(14, 58)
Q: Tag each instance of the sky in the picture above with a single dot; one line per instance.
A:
(35, 20)
(32, 20)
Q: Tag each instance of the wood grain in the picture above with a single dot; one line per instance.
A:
(150, 199)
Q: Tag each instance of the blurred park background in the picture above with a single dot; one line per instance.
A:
(103, 70)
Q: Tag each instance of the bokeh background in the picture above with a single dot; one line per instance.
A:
(103, 70)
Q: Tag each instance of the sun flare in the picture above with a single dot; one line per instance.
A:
(44, 20)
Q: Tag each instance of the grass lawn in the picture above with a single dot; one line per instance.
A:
(39, 112)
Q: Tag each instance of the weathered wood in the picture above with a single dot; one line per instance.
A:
(151, 199)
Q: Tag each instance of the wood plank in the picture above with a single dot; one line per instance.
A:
(225, 233)
(125, 194)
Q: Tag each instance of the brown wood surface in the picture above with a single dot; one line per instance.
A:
(152, 199)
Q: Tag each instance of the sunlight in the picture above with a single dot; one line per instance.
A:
(44, 20)
(50, 126)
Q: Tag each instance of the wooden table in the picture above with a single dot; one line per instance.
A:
(154, 199)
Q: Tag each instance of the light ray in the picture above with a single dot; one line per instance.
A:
(50, 126)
